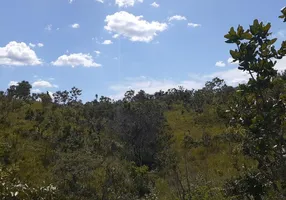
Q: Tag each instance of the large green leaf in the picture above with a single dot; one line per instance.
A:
(271, 42)
(240, 30)
(232, 31)
(235, 54)
(267, 27)
(246, 36)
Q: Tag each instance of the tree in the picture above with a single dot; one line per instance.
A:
(142, 129)
(61, 97)
(74, 94)
(260, 114)
(20, 91)
(45, 98)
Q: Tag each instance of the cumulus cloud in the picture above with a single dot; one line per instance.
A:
(177, 18)
(43, 84)
(194, 25)
(100, 1)
(115, 36)
(220, 64)
(37, 90)
(76, 59)
(40, 44)
(155, 5)
(75, 25)
(11, 83)
(71, 1)
(133, 27)
(232, 76)
(107, 42)
(127, 3)
(18, 54)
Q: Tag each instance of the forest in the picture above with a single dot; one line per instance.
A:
(218, 142)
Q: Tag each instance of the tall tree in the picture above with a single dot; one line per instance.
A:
(20, 91)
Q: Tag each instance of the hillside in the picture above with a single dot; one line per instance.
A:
(218, 142)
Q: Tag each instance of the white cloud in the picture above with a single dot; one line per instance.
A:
(150, 85)
(15, 83)
(97, 53)
(71, 1)
(77, 59)
(177, 18)
(75, 25)
(133, 27)
(18, 54)
(36, 90)
(107, 42)
(232, 77)
(155, 5)
(32, 45)
(127, 3)
(49, 27)
(100, 1)
(220, 64)
(194, 25)
(281, 64)
(43, 84)
(115, 36)
(235, 76)
(40, 44)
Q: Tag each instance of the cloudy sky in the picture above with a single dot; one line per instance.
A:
(106, 47)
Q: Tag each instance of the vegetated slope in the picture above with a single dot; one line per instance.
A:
(164, 145)
(218, 142)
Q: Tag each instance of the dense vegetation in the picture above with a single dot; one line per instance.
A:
(218, 142)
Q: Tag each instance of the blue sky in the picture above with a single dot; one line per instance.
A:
(106, 47)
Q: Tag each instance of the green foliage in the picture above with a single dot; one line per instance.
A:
(20, 91)
(215, 143)
(128, 149)
(259, 112)
(283, 16)
(11, 188)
